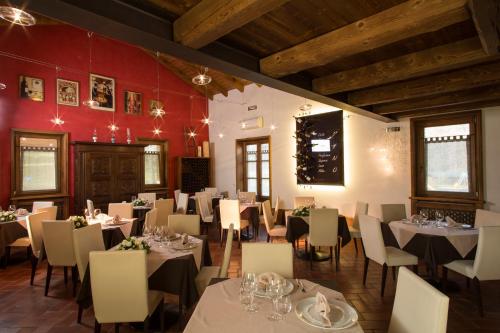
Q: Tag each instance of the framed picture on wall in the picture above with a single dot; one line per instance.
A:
(31, 88)
(102, 90)
(153, 104)
(133, 103)
(68, 92)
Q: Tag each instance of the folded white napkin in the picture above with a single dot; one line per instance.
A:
(103, 217)
(451, 222)
(265, 278)
(323, 308)
(185, 239)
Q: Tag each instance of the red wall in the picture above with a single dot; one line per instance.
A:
(132, 69)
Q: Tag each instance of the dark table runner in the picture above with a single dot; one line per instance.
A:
(297, 227)
(9, 232)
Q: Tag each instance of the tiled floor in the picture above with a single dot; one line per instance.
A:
(23, 308)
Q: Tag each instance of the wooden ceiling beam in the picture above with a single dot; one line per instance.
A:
(461, 79)
(211, 19)
(460, 97)
(406, 20)
(449, 109)
(486, 17)
(437, 59)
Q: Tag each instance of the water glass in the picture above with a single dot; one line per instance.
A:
(439, 215)
(244, 296)
(250, 284)
(12, 208)
(134, 198)
(275, 290)
(282, 305)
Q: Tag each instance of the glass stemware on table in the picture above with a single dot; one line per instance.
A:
(281, 302)
(12, 208)
(248, 287)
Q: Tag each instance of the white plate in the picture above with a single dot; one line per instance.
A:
(174, 237)
(287, 290)
(342, 315)
(180, 246)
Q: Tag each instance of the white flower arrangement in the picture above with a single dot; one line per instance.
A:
(7, 216)
(78, 221)
(140, 202)
(301, 211)
(134, 243)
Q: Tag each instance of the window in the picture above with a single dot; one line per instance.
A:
(155, 174)
(253, 167)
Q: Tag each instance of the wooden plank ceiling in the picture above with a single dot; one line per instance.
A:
(380, 58)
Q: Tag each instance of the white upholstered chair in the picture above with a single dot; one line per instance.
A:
(35, 235)
(204, 211)
(361, 209)
(176, 196)
(303, 202)
(52, 210)
(247, 197)
(486, 218)
(124, 209)
(165, 208)
(323, 231)
(120, 294)
(273, 230)
(230, 214)
(211, 190)
(151, 218)
(418, 306)
(207, 273)
(180, 223)
(203, 196)
(41, 204)
(393, 212)
(375, 249)
(182, 203)
(58, 244)
(85, 240)
(484, 267)
(277, 206)
(149, 196)
(264, 257)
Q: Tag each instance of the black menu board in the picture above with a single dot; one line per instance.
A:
(320, 149)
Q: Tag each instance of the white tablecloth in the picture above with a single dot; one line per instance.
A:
(463, 240)
(219, 310)
(125, 225)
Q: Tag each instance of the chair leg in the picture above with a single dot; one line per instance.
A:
(65, 275)
(444, 280)
(47, 279)
(393, 273)
(331, 254)
(306, 245)
(74, 278)
(239, 238)
(117, 327)
(415, 269)
(477, 288)
(162, 317)
(367, 261)
(268, 238)
(80, 313)
(34, 263)
(355, 245)
(146, 325)
(337, 257)
(384, 277)
(7, 256)
(467, 282)
(311, 257)
(97, 327)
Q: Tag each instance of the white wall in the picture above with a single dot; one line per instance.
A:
(377, 164)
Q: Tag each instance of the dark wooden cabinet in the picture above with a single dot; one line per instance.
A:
(107, 173)
(193, 173)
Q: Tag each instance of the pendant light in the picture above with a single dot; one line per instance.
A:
(16, 16)
(206, 119)
(90, 102)
(158, 110)
(202, 79)
(57, 120)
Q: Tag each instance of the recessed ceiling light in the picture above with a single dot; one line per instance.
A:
(16, 16)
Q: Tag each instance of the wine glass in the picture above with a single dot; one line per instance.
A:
(12, 208)
(134, 198)
(425, 216)
(274, 290)
(250, 284)
(282, 305)
(439, 215)
(146, 232)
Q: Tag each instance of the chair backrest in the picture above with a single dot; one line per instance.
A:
(211, 190)
(323, 226)
(486, 218)
(180, 223)
(165, 208)
(52, 210)
(268, 218)
(182, 203)
(486, 265)
(124, 209)
(202, 196)
(110, 276)
(41, 204)
(227, 252)
(393, 212)
(58, 242)
(149, 196)
(230, 213)
(303, 202)
(86, 239)
(361, 209)
(247, 196)
(152, 218)
(176, 196)
(418, 306)
(202, 205)
(34, 226)
(373, 241)
(267, 257)
(276, 208)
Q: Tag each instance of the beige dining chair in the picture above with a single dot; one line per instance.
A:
(148, 196)
(124, 209)
(165, 208)
(121, 294)
(176, 196)
(375, 249)
(273, 230)
(485, 265)
(182, 203)
(60, 251)
(361, 209)
(180, 223)
(208, 273)
(323, 231)
(52, 210)
(151, 218)
(41, 204)
(486, 218)
(230, 214)
(204, 196)
(211, 190)
(204, 212)
(35, 235)
(264, 257)
(303, 202)
(85, 240)
(277, 206)
(247, 196)
(393, 212)
(418, 306)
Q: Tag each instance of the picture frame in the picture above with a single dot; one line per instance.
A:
(68, 92)
(31, 88)
(133, 102)
(153, 104)
(102, 90)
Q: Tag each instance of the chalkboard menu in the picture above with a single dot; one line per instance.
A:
(320, 149)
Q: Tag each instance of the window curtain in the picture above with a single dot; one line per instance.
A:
(39, 166)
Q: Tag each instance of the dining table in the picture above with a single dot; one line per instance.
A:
(219, 310)
(9, 232)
